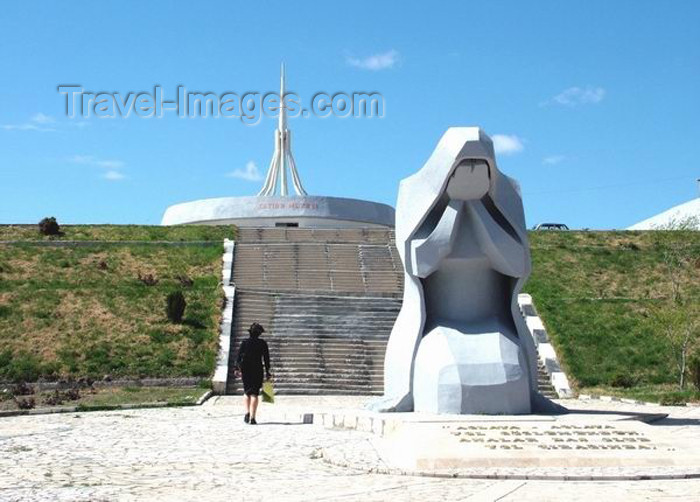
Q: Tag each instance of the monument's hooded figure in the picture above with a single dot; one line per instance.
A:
(459, 344)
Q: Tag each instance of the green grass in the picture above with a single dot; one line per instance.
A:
(113, 397)
(596, 292)
(82, 311)
(142, 395)
(121, 233)
(72, 312)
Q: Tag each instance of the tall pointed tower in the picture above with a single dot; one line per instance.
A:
(282, 159)
(274, 206)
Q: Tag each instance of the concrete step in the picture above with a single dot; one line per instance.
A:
(335, 353)
(350, 330)
(275, 334)
(326, 376)
(338, 351)
(297, 299)
(319, 391)
(318, 382)
(310, 357)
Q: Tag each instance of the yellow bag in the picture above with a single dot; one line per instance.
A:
(268, 392)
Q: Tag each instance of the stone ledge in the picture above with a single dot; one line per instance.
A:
(220, 378)
(615, 399)
(547, 354)
(117, 382)
(58, 243)
(78, 409)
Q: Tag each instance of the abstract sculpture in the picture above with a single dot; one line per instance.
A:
(459, 344)
(282, 157)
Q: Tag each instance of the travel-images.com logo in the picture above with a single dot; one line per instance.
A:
(249, 107)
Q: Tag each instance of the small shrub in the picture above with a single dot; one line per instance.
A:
(51, 369)
(23, 389)
(148, 279)
(54, 399)
(629, 245)
(623, 380)
(49, 226)
(57, 398)
(71, 395)
(673, 399)
(25, 403)
(175, 308)
(102, 265)
(185, 281)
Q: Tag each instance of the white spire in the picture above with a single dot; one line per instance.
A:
(282, 157)
(283, 110)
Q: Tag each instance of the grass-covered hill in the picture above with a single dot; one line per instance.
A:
(121, 233)
(83, 310)
(605, 298)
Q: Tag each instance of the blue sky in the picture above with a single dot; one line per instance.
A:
(597, 103)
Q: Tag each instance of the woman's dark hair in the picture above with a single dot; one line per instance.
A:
(255, 329)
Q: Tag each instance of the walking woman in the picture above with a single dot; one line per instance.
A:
(252, 353)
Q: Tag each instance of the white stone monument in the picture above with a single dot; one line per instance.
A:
(460, 344)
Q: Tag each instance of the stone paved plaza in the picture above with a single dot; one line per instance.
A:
(207, 453)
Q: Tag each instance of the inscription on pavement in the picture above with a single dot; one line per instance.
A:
(554, 437)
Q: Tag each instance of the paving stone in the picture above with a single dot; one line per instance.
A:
(208, 453)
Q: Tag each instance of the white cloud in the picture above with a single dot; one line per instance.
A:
(375, 62)
(575, 96)
(81, 159)
(21, 127)
(250, 173)
(89, 160)
(113, 176)
(37, 122)
(112, 166)
(43, 123)
(505, 144)
(553, 160)
(40, 118)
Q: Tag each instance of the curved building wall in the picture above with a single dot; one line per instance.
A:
(304, 211)
(686, 213)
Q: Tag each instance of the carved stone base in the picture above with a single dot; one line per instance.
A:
(483, 373)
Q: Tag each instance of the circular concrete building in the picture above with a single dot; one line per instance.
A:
(296, 211)
(274, 207)
(687, 214)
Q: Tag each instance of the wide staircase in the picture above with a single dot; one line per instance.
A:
(328, 300)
